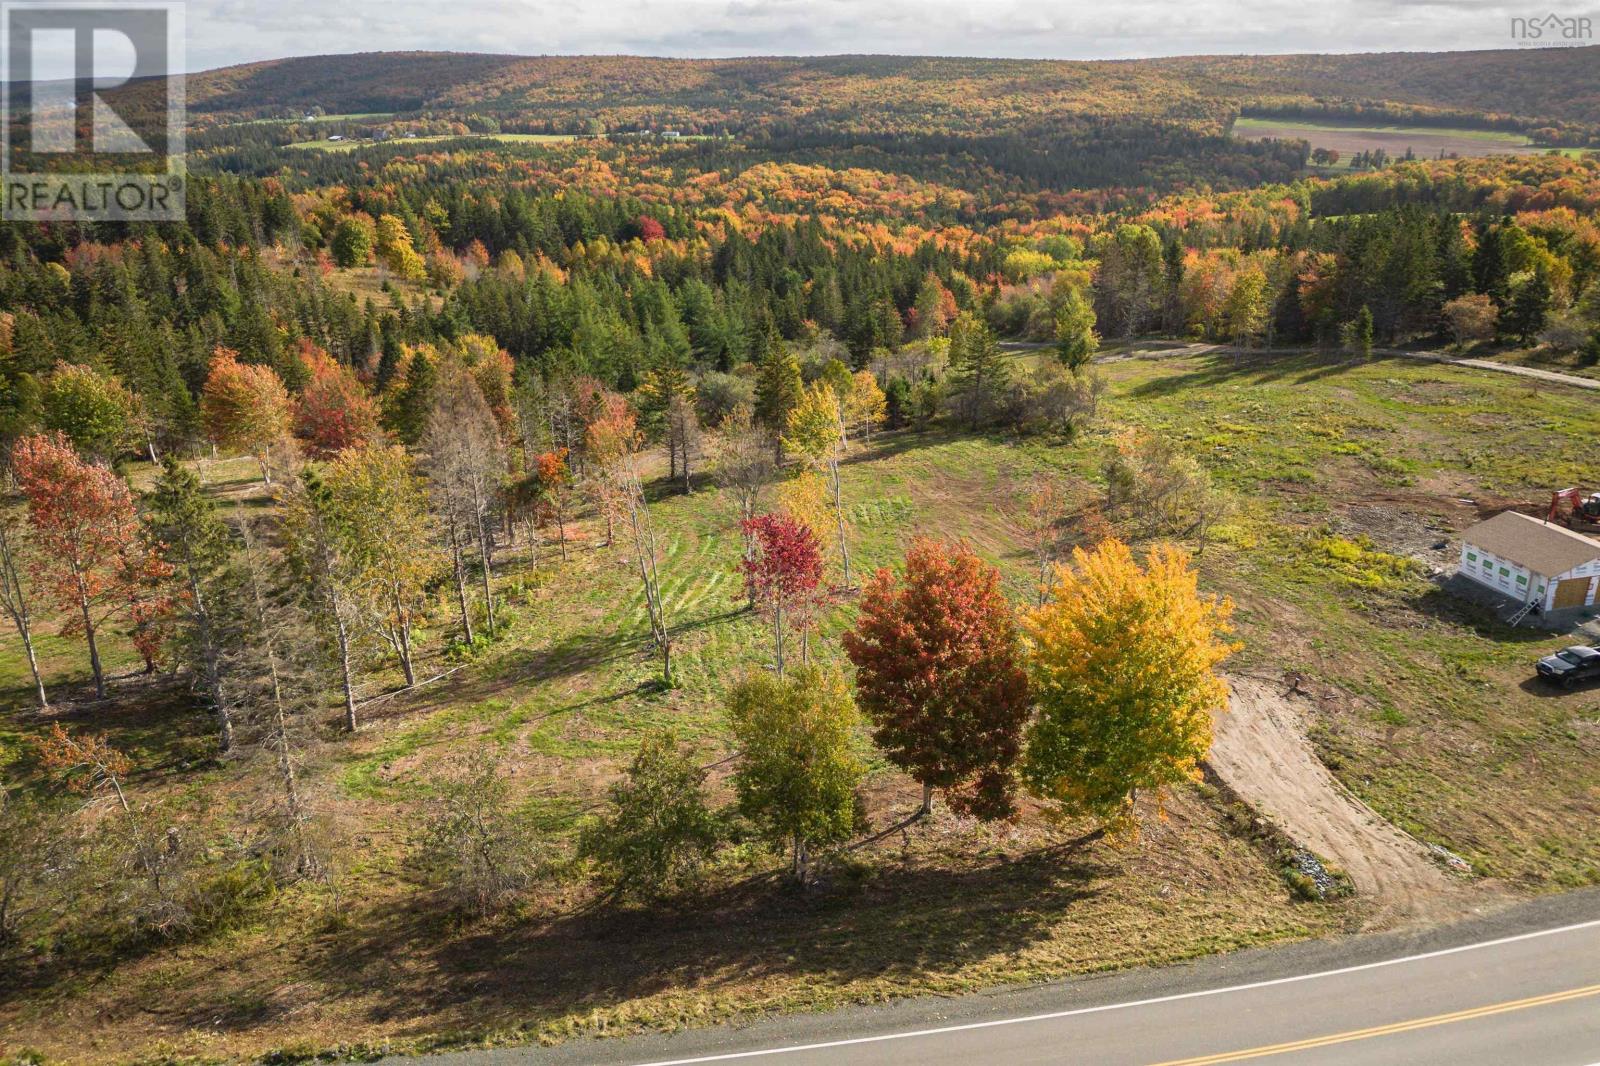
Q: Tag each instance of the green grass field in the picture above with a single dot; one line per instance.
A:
(503, 138)
(1428, 715)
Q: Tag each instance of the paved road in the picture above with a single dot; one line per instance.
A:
(1519, 987)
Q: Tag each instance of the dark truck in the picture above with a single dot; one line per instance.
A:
(1571, 665)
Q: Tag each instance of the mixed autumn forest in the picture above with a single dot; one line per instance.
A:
(562, 546)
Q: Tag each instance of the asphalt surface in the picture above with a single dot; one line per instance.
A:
(1516, 987)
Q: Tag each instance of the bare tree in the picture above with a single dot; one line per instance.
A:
(466, 464)
(196, 543)
(743, 463)
(319, 549)
(683, 432)
(1041, 527)
(273, 681)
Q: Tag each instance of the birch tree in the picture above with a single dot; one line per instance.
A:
(16, 593)
(466, 463)
(378, 497)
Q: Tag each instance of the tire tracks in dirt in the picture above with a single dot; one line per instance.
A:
(1261, 750)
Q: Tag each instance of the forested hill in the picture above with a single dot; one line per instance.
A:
(904, 95)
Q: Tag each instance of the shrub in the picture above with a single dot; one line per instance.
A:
(718, 394)
(475, 848)
(658, 832)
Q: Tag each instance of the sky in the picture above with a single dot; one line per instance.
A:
(222, 32)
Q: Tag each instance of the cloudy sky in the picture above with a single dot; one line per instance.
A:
(232, 31)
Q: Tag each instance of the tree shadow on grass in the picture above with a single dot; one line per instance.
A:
(886, 444)
(903, 923)
(1256, 368)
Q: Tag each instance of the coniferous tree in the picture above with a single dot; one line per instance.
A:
(197, 545)
(778, 389)
(980, 367)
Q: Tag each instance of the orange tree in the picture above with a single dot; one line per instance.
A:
(939, 673)
(1123, 664)
(244, 407)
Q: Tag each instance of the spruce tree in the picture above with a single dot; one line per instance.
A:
(198, 546)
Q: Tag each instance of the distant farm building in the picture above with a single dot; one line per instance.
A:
(1532, 562)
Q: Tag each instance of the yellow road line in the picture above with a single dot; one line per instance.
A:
(1385, 1030)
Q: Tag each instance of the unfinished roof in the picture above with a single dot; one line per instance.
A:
(1543, 547)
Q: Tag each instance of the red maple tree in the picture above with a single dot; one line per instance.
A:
(939, 674)
(92, 561)
(783, 577)
(334, 411)
(650, 229)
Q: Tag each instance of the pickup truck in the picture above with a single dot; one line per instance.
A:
(1571, 665)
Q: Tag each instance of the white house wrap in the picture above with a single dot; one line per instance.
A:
(1531, 561)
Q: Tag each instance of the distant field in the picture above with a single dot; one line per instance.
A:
(355, 116)
(505, 138)
(1426, 141)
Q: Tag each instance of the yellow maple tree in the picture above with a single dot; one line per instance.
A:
(1123, 662)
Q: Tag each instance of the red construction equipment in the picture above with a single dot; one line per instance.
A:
(1582, 512)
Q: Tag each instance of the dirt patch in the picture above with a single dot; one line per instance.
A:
(1262, 753)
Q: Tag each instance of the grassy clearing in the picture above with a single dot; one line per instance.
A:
(503, 138)
(1349, 475)
(1426, 141)
(1346, 475)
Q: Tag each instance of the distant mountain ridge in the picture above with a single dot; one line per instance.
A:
(880, 94)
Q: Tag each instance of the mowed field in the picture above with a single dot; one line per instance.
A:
(503, 138)
(1345, 475)
(1427, 142)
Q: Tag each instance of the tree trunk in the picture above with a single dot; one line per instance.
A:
(305, 865)
(777, 635)
(486, 556)
(14, 596)
(405, 660)
(927, 801)
(460, 573)
(94, 649)
(344, 674)
(402, 642)
(838, 510)
(210, 657)
(33, 664)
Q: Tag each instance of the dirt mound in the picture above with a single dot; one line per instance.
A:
(1262, 752)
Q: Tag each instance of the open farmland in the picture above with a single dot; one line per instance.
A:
(1426, 142)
